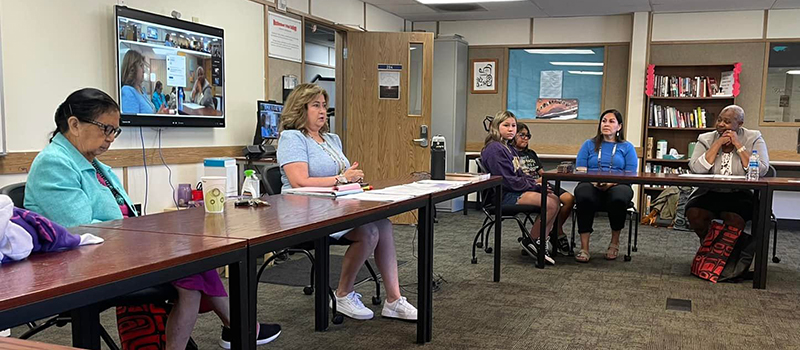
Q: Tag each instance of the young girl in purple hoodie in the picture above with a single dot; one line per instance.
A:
(500, 158)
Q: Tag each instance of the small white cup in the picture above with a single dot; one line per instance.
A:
(214, 189)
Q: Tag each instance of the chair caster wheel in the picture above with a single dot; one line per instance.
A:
(523, 252)
(488, 250)
(627, 258)
(479, 244)
(474, 260)
(376, 300)
(776, 259)
(635, 249)
(308, 290)
(338, 319)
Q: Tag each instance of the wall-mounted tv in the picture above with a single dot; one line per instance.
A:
(169, 72)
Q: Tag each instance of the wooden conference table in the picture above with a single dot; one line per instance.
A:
(76, 280)
(19, 344)
(762, 189)
(293, 219)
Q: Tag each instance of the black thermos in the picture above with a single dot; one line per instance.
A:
(437, 157)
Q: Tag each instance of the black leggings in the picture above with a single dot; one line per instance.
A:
(590, 200)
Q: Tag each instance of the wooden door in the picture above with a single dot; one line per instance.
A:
(379, 133)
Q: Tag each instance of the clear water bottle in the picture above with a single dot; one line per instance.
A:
(752, 168)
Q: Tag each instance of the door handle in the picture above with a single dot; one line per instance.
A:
(423, 136)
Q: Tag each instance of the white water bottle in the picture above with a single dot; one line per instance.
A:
(250, 187)
(752, 168)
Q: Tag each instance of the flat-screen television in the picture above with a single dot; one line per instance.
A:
(269, 115)
(169, 72)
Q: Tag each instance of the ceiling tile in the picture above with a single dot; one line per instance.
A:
(403, 10)
(709, 5)
(786, 4)
(566, 8)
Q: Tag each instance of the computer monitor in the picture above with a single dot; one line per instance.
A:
(269, 115)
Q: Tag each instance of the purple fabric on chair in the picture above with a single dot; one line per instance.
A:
(47, 235)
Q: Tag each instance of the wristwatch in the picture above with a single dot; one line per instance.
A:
(341, 179)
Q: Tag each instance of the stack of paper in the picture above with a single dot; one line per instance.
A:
(326, 191)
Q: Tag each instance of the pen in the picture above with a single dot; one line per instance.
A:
(367, 188)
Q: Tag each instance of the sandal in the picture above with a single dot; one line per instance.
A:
(613, 252)
(582, 256)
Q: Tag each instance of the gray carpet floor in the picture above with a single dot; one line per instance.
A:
(599, 305)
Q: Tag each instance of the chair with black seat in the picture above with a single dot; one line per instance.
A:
(633, 228)
(151, 295)
(772, 172)
(274, 185)
(508, 212)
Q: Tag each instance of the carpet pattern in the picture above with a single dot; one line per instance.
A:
(599, 305)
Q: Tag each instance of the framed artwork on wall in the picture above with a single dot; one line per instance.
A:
(483, 75)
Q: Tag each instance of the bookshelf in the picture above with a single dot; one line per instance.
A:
(681, 105)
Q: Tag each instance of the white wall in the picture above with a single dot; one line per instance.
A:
(381, 21)
(345, 12)
(595, 29)
(429, 27)
(70, 47)
(490, 32)
(298, 5)
(708, 26)
(783, 24)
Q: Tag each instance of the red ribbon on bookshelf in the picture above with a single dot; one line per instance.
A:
(650, 80)
(737, 68)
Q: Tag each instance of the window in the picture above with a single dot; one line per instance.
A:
(556, 83)
(782, 92)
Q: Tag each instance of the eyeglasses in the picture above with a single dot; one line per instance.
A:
(108, 130)
(524, 136)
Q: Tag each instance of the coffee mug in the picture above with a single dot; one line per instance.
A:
(214, 193)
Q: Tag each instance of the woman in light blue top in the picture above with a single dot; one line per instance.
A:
(158, 96)
(607, 151)
(309, 155)
(133, 100)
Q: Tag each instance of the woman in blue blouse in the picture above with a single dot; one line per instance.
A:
(158, 96)
(133, 100)
(607, 151)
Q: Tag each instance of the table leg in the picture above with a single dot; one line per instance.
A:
(321, 272)
(498, 228)
(424, 273)
(86, 327)
(242, 287)
(761, 234)
(542, 226)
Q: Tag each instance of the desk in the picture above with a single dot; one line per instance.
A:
(760, 215)
(19, 344)
(51, 283)
(290, 220)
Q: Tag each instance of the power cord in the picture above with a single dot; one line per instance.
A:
(146, 176)
(169, 171)
(438, 280)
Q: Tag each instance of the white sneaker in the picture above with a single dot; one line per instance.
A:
(5, 333)
(401, 309)
(351, 306)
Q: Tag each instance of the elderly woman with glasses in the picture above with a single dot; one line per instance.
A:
(531, 165)
(70, 186)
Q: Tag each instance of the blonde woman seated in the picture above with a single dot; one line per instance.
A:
(500, 158)
(309, 155)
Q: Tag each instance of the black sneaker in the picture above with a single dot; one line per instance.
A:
(563, 247)
(266, 333)
(531, 247)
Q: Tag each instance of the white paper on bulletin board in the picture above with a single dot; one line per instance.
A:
(551, 83)
(3, 149)
(285, 37)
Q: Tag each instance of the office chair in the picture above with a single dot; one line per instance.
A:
(633, 228)
(273, 187)
(772, 172)
(152, 295)
(508, 212)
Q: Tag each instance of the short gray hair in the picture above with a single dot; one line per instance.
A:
(737, 111)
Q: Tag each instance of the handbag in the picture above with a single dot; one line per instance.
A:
(715, 250)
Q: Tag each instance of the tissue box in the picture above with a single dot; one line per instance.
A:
(223, 167)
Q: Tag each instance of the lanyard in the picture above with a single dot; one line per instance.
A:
(611, 161)
(117, 195)
(331, 153)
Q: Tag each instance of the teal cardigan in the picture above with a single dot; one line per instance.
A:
(63, 187)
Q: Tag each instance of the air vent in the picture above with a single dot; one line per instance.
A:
(457, 7)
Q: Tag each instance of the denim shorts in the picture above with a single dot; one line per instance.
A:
(511, 197)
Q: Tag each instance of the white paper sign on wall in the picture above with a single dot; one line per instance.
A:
(285, 38)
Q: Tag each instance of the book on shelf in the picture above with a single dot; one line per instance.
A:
(671, 117)
(726, 83)
(649, 150)
(693, 87)
(661, 169)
